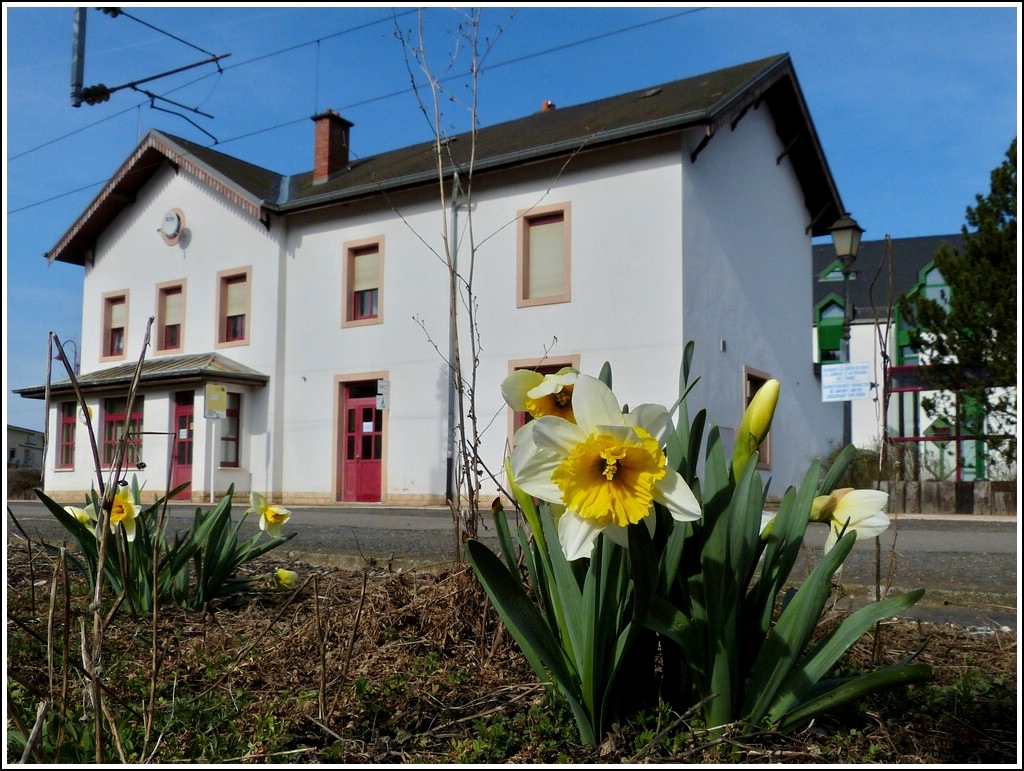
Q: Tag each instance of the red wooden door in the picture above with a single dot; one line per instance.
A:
(181, 467)
(361, 444)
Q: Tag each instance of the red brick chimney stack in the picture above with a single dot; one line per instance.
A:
(330, 149)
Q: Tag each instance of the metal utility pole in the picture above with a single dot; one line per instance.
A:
(78, 57)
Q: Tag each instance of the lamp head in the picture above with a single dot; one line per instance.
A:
(846, 238)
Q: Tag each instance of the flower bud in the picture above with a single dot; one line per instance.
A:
(757, 420)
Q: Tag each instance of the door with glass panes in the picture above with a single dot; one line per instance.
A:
(361, 437)
(183, 423)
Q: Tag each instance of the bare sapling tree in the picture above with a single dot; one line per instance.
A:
(455, 166)
(465, 470)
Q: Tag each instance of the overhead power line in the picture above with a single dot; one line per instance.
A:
(390, 95)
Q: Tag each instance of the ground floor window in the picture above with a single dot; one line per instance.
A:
(115, 418)
(66, 436)
(231, 430)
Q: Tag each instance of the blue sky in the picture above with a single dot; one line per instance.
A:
(914, 106)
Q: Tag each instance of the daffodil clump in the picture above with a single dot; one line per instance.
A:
(633, 557)
(195, 567)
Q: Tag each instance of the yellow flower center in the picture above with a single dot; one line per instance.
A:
(609, 481)
(123, 508)
(275, 516)
(558, 404)
(612, 456)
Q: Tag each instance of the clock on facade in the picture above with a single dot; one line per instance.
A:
(172, 226)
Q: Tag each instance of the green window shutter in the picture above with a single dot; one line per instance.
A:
(830, 336)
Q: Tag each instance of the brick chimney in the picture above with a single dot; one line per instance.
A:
(330, 148)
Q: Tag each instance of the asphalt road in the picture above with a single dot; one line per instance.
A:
(968, 565)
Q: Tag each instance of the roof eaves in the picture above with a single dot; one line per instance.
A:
(156, 372)
(235, 193)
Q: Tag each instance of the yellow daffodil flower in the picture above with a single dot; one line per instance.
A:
(528, 391)
(607, 469)
(756, 422)
(285, 579)
(862, 511)
(271, 517)
(123, 512)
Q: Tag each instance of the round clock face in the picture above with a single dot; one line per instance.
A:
(171, 225)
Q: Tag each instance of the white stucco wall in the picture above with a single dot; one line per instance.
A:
(747, 289)
(625, 271)
(866, 414)
(639, 214)
(131, 256)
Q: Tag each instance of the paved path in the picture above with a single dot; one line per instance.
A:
(968, 565)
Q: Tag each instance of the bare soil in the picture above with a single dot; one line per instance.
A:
(382, 666)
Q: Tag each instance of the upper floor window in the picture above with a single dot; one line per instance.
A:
(115, 418)
(934, 287)
(834, 272)
(115, 324)
(829, 319)
(543, 274)
(233, 307)
(362, 282)
(170, 313)
(752, 382)
(66, 436)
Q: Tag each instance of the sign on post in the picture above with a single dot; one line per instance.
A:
(845, 382)
(215, 405)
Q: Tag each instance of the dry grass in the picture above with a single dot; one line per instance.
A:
(373, 666)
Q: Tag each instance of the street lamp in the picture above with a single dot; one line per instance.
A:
(57, 356)
(846, 238)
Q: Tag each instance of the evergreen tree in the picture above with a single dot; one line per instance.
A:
(967, 339)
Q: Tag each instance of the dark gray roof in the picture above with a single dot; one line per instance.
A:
(869, 291)
(711, 101)
(164, 370)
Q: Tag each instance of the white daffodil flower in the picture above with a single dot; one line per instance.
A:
(123, 512)
(607, 469)
(86, 516)
(862, 511)
(271, 517)
(528, 391)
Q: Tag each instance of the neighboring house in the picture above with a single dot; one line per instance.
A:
(309, 313)
(884, 271)
(24, 447)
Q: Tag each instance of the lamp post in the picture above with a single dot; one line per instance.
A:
(846, 239)
(57, 356)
